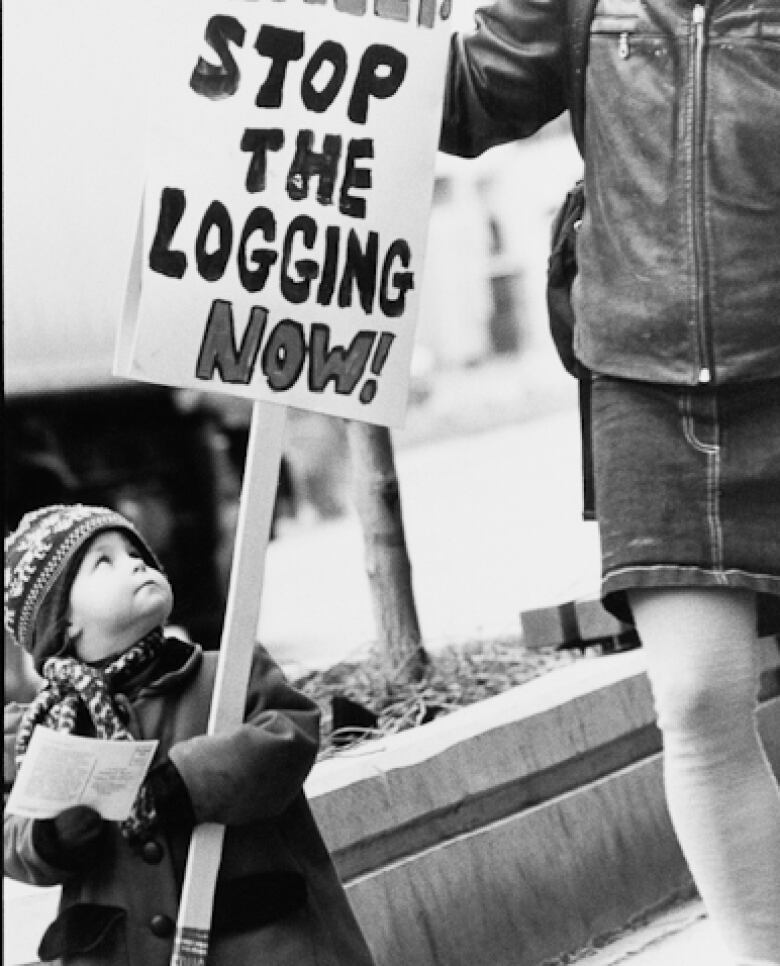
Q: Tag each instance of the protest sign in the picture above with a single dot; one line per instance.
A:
(279, 254)
(289, 176)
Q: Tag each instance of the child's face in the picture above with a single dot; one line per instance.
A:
(115, 599)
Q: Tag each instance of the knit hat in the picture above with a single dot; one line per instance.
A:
(42, 557)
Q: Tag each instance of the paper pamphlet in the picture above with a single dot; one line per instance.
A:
(60, 770)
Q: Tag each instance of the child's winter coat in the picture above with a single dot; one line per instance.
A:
(278, 901)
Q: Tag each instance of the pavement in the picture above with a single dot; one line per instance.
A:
(488, 469)
(680, 936)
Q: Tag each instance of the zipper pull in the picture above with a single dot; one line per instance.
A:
(705, 375)
(624, 46)
(699, 16)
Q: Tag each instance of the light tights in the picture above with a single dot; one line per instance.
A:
(722, 796)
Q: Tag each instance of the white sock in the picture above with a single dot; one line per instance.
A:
(722, 796)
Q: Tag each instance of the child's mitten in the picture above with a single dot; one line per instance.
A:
(172, 800)
(71, 840)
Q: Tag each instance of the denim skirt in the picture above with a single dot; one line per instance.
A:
(687, 489)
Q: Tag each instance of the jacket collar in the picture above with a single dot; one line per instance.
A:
(176, 663)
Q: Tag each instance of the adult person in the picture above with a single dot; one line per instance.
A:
(677, 307)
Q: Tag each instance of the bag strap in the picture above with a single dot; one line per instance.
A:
(580, 16)
(579, 19)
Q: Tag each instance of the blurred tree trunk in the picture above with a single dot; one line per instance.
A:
(378, 502)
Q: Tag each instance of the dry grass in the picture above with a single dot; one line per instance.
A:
(455, 677)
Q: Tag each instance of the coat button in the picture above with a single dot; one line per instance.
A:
(161, 925)
(151, 852)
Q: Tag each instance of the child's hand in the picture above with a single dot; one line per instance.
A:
(171, 798)
(71, 840)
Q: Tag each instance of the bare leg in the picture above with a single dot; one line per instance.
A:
(722, 796)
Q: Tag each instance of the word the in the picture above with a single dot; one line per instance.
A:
(308, 163)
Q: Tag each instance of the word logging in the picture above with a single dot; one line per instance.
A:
(377, 272)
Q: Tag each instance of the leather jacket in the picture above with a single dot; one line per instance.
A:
(679, 247)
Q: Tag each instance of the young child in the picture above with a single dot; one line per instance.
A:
(86, 597)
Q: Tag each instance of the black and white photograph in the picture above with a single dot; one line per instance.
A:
(391, 425)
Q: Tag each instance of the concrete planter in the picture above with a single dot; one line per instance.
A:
(515, 829)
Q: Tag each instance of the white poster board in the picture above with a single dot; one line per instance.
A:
(289, 177)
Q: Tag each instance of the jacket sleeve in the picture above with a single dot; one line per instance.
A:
(256, 771)
(21, 861)
(506, 78)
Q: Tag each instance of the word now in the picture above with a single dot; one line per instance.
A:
(286, 352)
(379, 75)
(341, 267)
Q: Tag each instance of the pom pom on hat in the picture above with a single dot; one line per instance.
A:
(41, 557)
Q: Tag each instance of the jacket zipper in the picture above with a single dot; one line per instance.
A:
(704, 374)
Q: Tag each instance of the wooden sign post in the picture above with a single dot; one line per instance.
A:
(283, 165)
(258, 492)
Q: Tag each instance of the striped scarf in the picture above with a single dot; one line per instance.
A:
(69, 685)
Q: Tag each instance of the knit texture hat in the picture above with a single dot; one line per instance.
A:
(41, 560)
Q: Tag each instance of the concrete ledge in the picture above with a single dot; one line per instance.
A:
(530, 743)
(515, 829)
